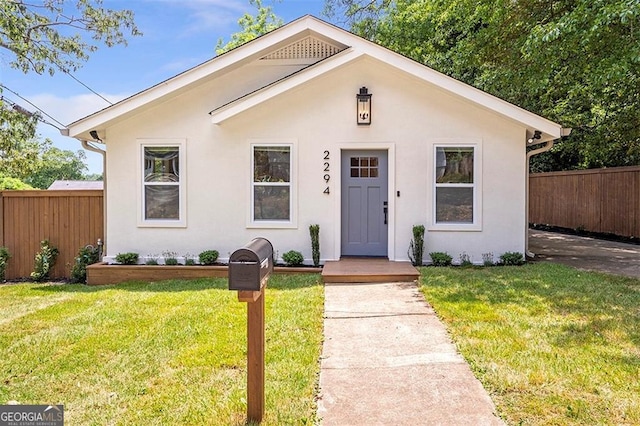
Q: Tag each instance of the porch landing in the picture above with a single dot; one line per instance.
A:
(368, 270)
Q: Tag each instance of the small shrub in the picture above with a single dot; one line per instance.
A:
(314, 230)
(170, 258)
(293, 258)
(189, 260)
(4, 259)
(208, 257)
(512, 258)
(129, 258)
(440, 258)
(87, 255)
(465, 260)
(416, 246)
(487, 259)
(151, 261)
(45, 259)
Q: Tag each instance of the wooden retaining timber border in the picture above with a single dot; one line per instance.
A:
(104, 274)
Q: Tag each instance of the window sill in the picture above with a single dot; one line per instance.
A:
(458, 227)
(162, 224)
(271, 225)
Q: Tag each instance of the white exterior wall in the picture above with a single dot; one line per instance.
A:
(408, 117)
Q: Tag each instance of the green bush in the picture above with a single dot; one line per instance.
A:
(208, 257)
(87, 255)
(4, 259)
(416, 246)
(512, 258)
(45, 259)
(12, 184)
(439, 258)
(314, 231)
(127, 258)
(293, 258)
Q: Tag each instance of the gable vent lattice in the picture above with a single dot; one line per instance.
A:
(307, 48)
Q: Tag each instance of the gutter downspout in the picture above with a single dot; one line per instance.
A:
(548, 145)
(85, 145)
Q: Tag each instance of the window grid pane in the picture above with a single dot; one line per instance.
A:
(454, 205)
(364, 167)
(162, 202)
(271, 164)
(161, 164)
(454, 165)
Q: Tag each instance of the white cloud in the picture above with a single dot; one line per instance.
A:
(67, 109)
(206, 15)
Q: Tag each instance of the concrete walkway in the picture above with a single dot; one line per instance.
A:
(586, 253)
(387, 360)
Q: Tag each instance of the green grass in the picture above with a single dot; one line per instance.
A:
(172, 352)
(551, 344)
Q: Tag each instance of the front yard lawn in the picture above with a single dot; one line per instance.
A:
(172, 352)
(551, 344)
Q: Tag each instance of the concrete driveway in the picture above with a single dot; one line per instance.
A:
(586, 253)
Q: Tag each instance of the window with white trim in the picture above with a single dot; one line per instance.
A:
(162, 191)
(455, 195)
(271, 186)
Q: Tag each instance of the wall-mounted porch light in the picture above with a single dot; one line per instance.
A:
(364, 106)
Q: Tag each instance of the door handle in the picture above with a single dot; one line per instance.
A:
(385, 209)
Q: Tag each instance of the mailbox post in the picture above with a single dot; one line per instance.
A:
(249, 270)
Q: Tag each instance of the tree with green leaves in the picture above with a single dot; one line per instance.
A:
(10, 183)
(252, 26)
(55, 164)
(38, 163)
(48, 36)
(576, 62)
(17, 151)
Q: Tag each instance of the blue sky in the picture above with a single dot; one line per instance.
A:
(178, 34)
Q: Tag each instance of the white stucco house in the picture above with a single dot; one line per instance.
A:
(272, 137)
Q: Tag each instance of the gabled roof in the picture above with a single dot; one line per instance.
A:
(320, 47)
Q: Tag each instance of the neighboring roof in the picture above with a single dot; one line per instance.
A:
(76, 184)
(339, 46)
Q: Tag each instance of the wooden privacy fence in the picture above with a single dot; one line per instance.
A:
(598, 200)
(68, 219)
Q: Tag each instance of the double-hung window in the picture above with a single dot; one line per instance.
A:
(456, 193)
(162, 178)
(271, 187)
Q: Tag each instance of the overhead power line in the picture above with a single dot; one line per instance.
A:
(36, 107)
(87, 87)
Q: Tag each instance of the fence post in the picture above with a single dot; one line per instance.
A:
(1, 219)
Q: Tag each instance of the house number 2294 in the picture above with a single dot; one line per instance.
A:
(326, 170)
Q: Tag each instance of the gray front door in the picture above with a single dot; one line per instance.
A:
(364, 203)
